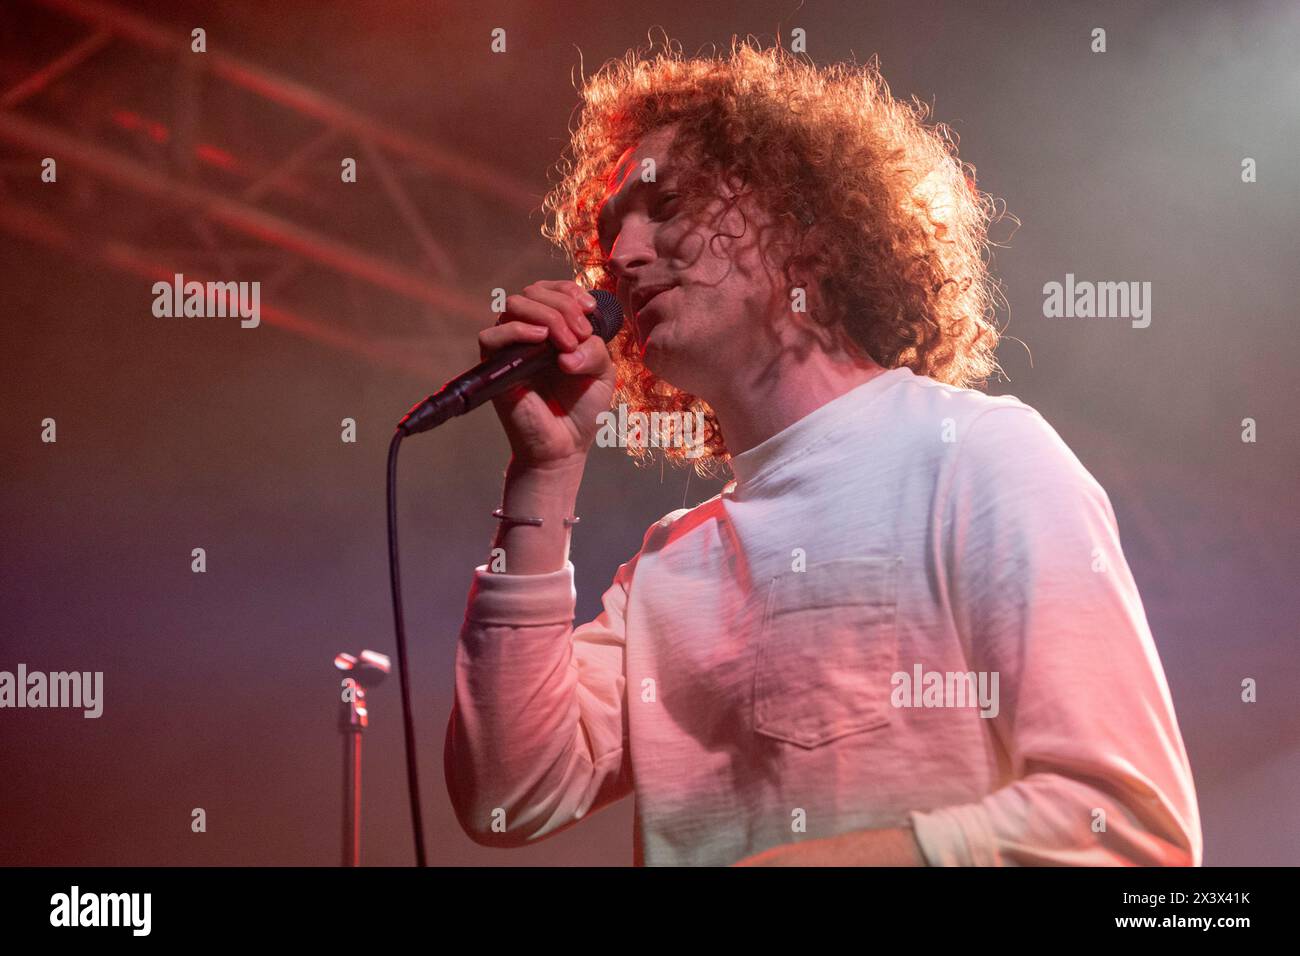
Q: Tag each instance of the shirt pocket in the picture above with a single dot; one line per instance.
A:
(827, 650)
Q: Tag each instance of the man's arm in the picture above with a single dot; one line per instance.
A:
(536, 739)
(1041, 593)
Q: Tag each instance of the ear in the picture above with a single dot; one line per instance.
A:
(809, 276)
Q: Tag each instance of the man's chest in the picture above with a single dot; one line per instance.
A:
(796, 644)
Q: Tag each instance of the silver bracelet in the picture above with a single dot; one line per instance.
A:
(536, 522)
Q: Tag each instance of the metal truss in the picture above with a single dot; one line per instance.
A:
(205, 164)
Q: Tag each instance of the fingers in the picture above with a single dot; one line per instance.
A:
(590, 358)
(497, 337)
(571, 289)
(554, 308)
(570, 301)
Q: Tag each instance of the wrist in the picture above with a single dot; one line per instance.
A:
(545, 495)
(551, 469)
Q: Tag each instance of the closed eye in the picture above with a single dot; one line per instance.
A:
(661, 207)
(659, 213)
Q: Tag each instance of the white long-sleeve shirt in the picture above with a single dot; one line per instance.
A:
(745, 679)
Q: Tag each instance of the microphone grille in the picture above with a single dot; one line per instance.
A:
(607, 318)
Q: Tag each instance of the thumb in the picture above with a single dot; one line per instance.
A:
(591, 357)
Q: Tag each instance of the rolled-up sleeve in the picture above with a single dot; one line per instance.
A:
(1042, 595)
(537, 736)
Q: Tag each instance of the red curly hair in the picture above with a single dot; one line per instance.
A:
(899, 231)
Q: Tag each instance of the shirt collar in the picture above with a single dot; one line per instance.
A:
(754, 463)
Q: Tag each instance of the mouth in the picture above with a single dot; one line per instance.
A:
(644, 316)
(646, 296)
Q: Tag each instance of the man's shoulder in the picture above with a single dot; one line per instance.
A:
(991, 440)
(927, 396)
(1009, 450)
(928, 426)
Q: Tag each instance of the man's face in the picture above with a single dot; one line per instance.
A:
(717, 298)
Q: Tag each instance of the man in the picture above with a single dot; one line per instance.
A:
(905, 634)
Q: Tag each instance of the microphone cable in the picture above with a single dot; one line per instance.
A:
(403, 672)
(455, 398)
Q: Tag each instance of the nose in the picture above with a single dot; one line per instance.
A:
(633, 250)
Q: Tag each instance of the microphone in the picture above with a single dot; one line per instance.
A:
(503, 371)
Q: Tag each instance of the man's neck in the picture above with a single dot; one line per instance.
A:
(753, 411)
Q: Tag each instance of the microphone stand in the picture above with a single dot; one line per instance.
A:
(367, 670)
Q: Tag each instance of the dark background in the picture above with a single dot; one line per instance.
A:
(181, 433)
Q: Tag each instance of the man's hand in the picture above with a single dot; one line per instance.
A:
(894, 847)
(552, 419)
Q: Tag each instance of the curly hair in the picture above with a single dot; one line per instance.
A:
(885, 216)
